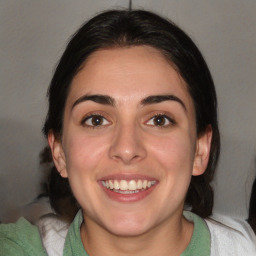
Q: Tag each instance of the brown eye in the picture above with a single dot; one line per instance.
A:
(95, 120)
(160, 121)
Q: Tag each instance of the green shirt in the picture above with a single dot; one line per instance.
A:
(200, 243)
(20, 239)
(23, 239)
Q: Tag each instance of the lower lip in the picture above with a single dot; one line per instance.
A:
(133, 197)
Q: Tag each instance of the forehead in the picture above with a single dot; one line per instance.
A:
(128, 73)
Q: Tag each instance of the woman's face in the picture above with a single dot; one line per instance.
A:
(129, 144)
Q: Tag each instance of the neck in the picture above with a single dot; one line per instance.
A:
(168, 238)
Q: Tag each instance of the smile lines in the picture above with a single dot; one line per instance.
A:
(127, 187)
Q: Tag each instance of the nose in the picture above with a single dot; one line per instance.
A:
(127, 145)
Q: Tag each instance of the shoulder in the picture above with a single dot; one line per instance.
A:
(53, 231)
(230, 236)
(60, 237)
(20, 238)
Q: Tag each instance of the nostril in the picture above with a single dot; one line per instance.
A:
(127, 145)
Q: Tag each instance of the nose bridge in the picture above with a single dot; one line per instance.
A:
(127, 145)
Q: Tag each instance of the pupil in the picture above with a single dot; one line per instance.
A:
(159, 120)
(97, 120)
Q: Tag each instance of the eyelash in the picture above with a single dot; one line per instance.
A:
(168, 118)
(103, 120)
(91, 126)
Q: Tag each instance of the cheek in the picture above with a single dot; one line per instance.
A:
(84, 153)
(174, 156)
(84, 156)
(175, 153)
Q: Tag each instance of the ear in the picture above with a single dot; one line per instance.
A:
(203, 148)
(58, 155)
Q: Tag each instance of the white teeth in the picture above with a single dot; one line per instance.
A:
(145, 184)
(127, 191)
(132, 185)
(124, 186)
(111, 185)
(116, 184)
(139, 184)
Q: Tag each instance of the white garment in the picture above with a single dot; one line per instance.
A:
(229, 237)
(53, 232)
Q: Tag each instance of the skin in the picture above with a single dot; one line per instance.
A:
(126, 144)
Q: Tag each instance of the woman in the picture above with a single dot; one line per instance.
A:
(132, 128)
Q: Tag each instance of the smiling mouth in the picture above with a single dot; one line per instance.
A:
(128, 186)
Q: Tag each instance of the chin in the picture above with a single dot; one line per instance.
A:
(128, 226)
(127, 231)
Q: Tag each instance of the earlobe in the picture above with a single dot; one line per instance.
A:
(203, 148)
(57, 154)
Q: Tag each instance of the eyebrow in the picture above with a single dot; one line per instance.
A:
(161, 98)
(108, 100)
(98, 98)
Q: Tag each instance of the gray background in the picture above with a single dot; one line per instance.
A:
(33, 35)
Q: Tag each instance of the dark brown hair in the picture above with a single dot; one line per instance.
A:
(132, 28)
(252, 206)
